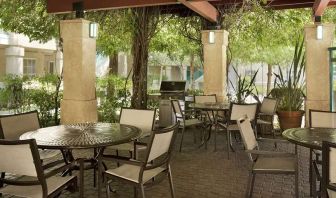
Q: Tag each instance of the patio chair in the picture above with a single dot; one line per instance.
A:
(140, 173)
(267, 109)
(266, 162)
(323, 119)
(206, 99)
(328, 170)
(184, 122)
(13, 126)
(143, 119)
(236, 112)
(21, 158)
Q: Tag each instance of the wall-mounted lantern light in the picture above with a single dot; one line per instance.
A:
(319, 32)
(93, 30)
(211, 37)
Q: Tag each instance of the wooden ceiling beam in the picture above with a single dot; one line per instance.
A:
(320, 6)
(203, 8)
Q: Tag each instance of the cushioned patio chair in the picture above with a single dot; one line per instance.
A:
(267, 109)
(206, 99)
(139, 173)
(13, 126)
(141, 118)
(324, 119)
(237, 111)
(328, 170)
(184, 122)
(266, 162)
(21, 158)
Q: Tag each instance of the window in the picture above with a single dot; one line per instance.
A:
(29, 65)
(51, 67)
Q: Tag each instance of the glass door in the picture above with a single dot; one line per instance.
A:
(332, 64)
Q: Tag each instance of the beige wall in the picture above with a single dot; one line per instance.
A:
(42, 60)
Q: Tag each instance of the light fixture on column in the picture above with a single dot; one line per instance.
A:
(319, 32)
(319, 27)
(211, 37)
(93, 30)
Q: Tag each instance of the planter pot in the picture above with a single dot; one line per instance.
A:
(290, 119)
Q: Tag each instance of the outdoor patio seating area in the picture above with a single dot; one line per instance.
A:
(203, 173)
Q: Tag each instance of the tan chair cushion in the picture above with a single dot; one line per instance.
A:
(36, 191)
(131, 173)
(277, 164)
(48, 153)
(191, 122)
(331, 194)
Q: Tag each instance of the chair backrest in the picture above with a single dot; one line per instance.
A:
(247, 133)
(325, 119)
(205, 98)
(161, 143)
(328, 169)
(20, 157)
(177, 108)
(13, 126)
(237, 111)
(269, 106)
(141, 118)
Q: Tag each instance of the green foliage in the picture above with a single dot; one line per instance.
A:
(22, 94)
(244, 87)
(29, 18)
(113, 92)
(290, 88)
(14, 95)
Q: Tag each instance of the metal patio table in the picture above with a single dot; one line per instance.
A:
(214, 108)
(83, 136)
(311, 138)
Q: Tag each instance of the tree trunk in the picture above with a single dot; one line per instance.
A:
(269, 78)
(192, 80)
(113, 65)
(144, 28)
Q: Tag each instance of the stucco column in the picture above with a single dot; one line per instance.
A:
(14, 60)
(215, 81)
(317, 67)
(79, 102)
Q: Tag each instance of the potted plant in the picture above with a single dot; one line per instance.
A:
(289, 90)
(244, 87)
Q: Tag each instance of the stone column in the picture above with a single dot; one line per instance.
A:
(317, 67)
(215, 81)
(14, 60)
(59, 62)
(79, 102)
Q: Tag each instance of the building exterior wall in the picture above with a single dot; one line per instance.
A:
(42, 53)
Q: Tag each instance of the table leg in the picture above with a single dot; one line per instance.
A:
(100, 172)
(81, 178)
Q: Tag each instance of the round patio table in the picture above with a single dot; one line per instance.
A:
(212, 107)
(310, 137)
(84, 136)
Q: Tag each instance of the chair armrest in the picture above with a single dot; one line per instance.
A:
(270, 153)
(121, 159)
(273, 140)
(61, 169)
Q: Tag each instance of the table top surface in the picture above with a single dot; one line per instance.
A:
(210, 106)
(86, 135)
(310, 137)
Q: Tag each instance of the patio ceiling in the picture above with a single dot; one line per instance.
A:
(206, 8)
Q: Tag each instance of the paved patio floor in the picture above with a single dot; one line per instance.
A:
(201, 173)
